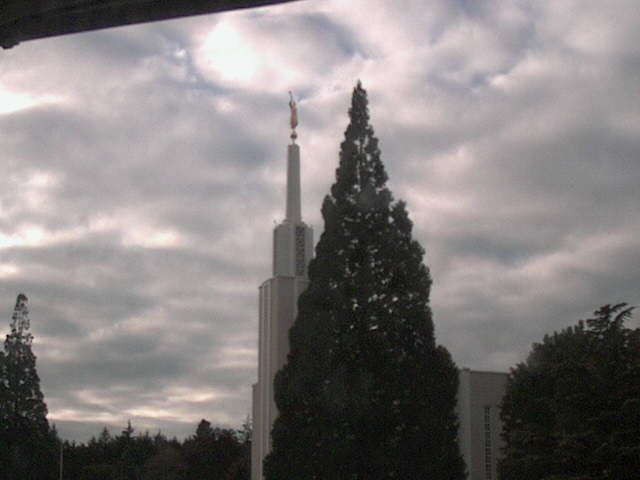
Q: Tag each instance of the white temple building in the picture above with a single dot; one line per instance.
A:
(479, 395)
(479, 398)
(292, 250)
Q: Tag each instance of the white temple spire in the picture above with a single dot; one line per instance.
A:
(278, 304)
(293, 169)
(293, 184)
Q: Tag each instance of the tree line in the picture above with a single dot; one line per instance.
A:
(211, 453)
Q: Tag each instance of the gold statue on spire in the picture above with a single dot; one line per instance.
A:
(294, 117)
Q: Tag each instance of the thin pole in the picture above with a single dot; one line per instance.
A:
(61, 459)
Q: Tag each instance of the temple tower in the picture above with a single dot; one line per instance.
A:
(278, 303)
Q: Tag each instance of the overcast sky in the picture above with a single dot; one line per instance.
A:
(142, 170)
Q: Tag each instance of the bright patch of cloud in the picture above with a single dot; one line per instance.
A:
(228, 54)
(8, 269)
(84, 416)
(185, 394)
(236, 357)
(12, 101)
(152, 238)
(32, 236)
(27, 236)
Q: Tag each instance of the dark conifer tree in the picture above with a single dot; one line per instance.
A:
(28, 445)
(212, 453)
(366, 393)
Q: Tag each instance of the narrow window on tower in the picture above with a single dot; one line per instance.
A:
(300, 251)
(487, 443)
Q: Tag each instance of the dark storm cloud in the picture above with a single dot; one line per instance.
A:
(143, 169)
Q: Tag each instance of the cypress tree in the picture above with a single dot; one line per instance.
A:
(28, 445)
(366, 393)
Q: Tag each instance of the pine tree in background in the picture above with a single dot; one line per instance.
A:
(366, 392)
(28, 445)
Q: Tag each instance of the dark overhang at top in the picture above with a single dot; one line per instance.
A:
(22, 20)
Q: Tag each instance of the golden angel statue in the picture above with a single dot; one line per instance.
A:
(294, 116)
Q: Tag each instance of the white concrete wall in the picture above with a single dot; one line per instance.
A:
(479, 394)
(278, 307)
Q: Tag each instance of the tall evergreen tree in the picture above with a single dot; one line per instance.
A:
(27, 442)
(366, 393)
(572, 410)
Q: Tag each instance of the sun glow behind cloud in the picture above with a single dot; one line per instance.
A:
(237, 54)
(12, 101)
(229, 55)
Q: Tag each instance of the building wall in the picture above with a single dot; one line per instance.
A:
(278, 307)
(479, 398)
(278, 310)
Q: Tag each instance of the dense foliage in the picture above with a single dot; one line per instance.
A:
(210, 454)
(366, 393)
(572, 410)
(27, 444)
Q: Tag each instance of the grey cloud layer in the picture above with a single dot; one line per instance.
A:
(138, 192)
